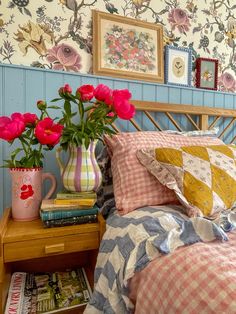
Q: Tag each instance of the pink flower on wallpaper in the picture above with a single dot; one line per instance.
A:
(227, 82)
(179, 19)
(64, 57)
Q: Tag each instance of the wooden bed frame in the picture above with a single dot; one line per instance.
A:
(200, 118)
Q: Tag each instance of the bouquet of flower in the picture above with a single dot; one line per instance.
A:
(35, 134)
(96, 109)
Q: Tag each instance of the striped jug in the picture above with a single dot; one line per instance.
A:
(81, 173)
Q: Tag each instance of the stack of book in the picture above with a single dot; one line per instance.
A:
(36, 293)
(69, 208)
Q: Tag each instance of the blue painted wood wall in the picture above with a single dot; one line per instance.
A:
(21, 87)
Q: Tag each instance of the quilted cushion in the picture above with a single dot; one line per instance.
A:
(202, 177)
(133, 185)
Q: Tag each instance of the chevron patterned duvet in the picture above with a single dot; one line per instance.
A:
(147, 265)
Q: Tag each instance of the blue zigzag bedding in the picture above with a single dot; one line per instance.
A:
(132, 241)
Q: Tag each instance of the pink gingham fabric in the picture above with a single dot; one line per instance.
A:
(197, 279)
(133, 185)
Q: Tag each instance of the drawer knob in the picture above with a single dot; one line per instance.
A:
(54, 248)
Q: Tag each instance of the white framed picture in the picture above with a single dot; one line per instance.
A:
(178, 65)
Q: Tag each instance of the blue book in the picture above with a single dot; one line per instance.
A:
(70, 221)
(67, 213)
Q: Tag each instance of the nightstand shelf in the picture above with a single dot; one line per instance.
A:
(28, 246)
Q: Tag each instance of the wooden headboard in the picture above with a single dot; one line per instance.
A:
(198, 118)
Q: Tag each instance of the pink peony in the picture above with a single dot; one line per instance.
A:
(86, 92)
(227, 82)
(103, 93)
(123, 93)
(178, 18)
(30, 118)
(64, 57)
(65, 89)
(11, 128)
(123, 108)
(47, 132)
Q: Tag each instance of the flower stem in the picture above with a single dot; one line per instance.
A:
(23, 145)
(81, 112)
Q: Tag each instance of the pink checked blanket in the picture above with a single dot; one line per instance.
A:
(195, 279)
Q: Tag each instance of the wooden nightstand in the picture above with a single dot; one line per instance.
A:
(27, 246)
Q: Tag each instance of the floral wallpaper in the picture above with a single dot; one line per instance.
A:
(57, 34)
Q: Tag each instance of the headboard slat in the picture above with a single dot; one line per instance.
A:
(183, 118)
(192, 122)
(152, 120)
(227, 127)
(214, 122)
(173, 121)
(177, 108)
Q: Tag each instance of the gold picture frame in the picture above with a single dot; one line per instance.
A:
(127, 48)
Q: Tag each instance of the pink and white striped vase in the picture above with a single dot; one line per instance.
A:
(27, 192)
(81, 173)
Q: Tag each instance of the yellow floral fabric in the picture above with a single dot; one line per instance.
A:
(203, 177)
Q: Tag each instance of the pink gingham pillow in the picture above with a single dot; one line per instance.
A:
(133, 185)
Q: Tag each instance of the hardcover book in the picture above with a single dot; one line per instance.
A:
(70, 221)
(60, 214)
(48, 205)
(76, 195)
(41, 293)
(75, 201)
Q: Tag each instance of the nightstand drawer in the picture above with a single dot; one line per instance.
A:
(22, 250)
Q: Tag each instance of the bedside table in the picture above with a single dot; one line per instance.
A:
(29, 247)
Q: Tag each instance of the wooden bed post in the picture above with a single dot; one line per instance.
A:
(203, 122)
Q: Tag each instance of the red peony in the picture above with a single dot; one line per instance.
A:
(123, 108)
(47, 132)
(30, 118)
(65, 89)
(103, 93)
(32, 133)
(97, 109)
(85, 92)
(11, 128)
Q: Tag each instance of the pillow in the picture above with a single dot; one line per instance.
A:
(133, 185)
(211, 132)
(202, 177)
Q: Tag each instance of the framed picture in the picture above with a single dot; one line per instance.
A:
(127, 48)
(178, 65)
(206, 73)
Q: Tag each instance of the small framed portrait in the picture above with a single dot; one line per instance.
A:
(127, 48)
(206, 73)
(178, 65)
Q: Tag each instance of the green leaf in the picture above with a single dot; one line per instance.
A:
(54, 107)
(56, 99)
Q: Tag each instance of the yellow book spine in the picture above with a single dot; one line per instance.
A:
(81, 202)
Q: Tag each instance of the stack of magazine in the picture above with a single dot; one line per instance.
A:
(69, 208)
(38, 293)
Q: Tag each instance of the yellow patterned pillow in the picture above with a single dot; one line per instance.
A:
(203, 177)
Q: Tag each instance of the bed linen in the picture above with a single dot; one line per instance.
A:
(197, 279)
(132, 241)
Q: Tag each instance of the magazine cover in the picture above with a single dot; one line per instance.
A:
(15, 297)
(30, 295)
(60, 290)
(38, 293)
